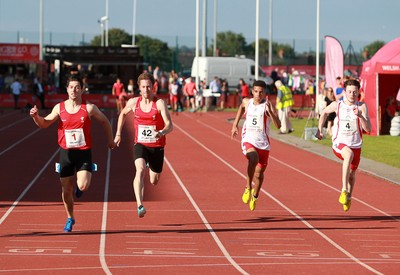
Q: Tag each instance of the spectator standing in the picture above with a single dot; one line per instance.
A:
(38, 91)
(215, 87)
(16, 89)
(190, 91)
(224, 94)
(118, 91)
(284, 103)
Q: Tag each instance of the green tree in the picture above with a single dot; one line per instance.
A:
(155, 52)
(229, 44)
(116, 37)
(370, 49)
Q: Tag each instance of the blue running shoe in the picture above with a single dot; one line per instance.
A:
(69, 224)
(78, 192)
(141, 211)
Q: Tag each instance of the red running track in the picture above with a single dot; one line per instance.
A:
(196, 222)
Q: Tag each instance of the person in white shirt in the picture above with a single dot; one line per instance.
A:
(351, 119)
(255, 144)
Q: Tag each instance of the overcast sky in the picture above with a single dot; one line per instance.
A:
(294, 21)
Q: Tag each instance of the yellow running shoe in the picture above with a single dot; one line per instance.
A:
(343, 197)
(253, 201)
(246, 195)
(346, 206)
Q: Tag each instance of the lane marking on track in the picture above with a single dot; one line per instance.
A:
(19, 141)
(307, 175)
(103, 232)
(205, 222)
(15, 123)
(15, 203)
(329, 240)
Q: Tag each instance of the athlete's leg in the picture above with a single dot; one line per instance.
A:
(258, 179)
(252, 157)
(83, 179)
(138, 181)
(67, 184)
(347, 155)
(352, 181)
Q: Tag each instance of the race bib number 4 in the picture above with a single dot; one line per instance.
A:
(75, 138)
(146, 133)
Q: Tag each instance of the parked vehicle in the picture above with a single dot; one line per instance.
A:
(230, 69)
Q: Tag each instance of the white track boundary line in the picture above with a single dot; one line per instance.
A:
(21, 140)
(206, 223)
(103, 235)
(286, 208)
(15, 123)
(3, 218)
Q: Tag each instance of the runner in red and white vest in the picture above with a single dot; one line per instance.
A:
(152, 122)
(259, 112)
(74, 138)
(351, 120)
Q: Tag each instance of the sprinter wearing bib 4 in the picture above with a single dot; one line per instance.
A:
(75, 140)
(351, 119)
(152, 122)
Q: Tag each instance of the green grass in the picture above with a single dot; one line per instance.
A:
(384, 149)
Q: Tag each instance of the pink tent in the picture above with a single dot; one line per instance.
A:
(380, 79)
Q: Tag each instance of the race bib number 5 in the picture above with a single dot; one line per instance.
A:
(146, 133)
(75, 138)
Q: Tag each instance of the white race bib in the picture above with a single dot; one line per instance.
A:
(74, 138)
(147, 133)
(255, 122)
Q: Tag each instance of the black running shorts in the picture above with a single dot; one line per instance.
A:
(153, 156)
(74, 160)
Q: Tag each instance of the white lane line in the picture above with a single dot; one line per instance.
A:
(304, 174)
(19, 141)
(206, 223)
(15, 123)
(355, 259)
(15, 203)
(104, 218)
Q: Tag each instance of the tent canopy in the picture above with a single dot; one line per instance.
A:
(380, 79)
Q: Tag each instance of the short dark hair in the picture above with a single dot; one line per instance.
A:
(74, 77)
(352, 82)
(260, 83)
(146, 76)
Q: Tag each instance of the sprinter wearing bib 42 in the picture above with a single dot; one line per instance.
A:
(75, 140)
(152, 122)
(351, 119)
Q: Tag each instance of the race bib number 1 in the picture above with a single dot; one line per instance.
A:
(75, 138)
(146, 133)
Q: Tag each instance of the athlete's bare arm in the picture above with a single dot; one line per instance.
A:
(44, 122)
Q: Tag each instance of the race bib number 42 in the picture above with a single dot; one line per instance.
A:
(75, 138)
(146, 133)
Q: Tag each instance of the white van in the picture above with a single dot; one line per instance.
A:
(230, 69)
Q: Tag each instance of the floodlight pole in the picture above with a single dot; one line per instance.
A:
(41, 31)
(106, 25)
(257, 39)
(134, 22)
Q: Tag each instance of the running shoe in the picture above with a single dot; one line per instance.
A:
(141, 211)
(69, 224)
(343, 197)
(253, 201)
(246, 195)
(346, 207)
(78, 192)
